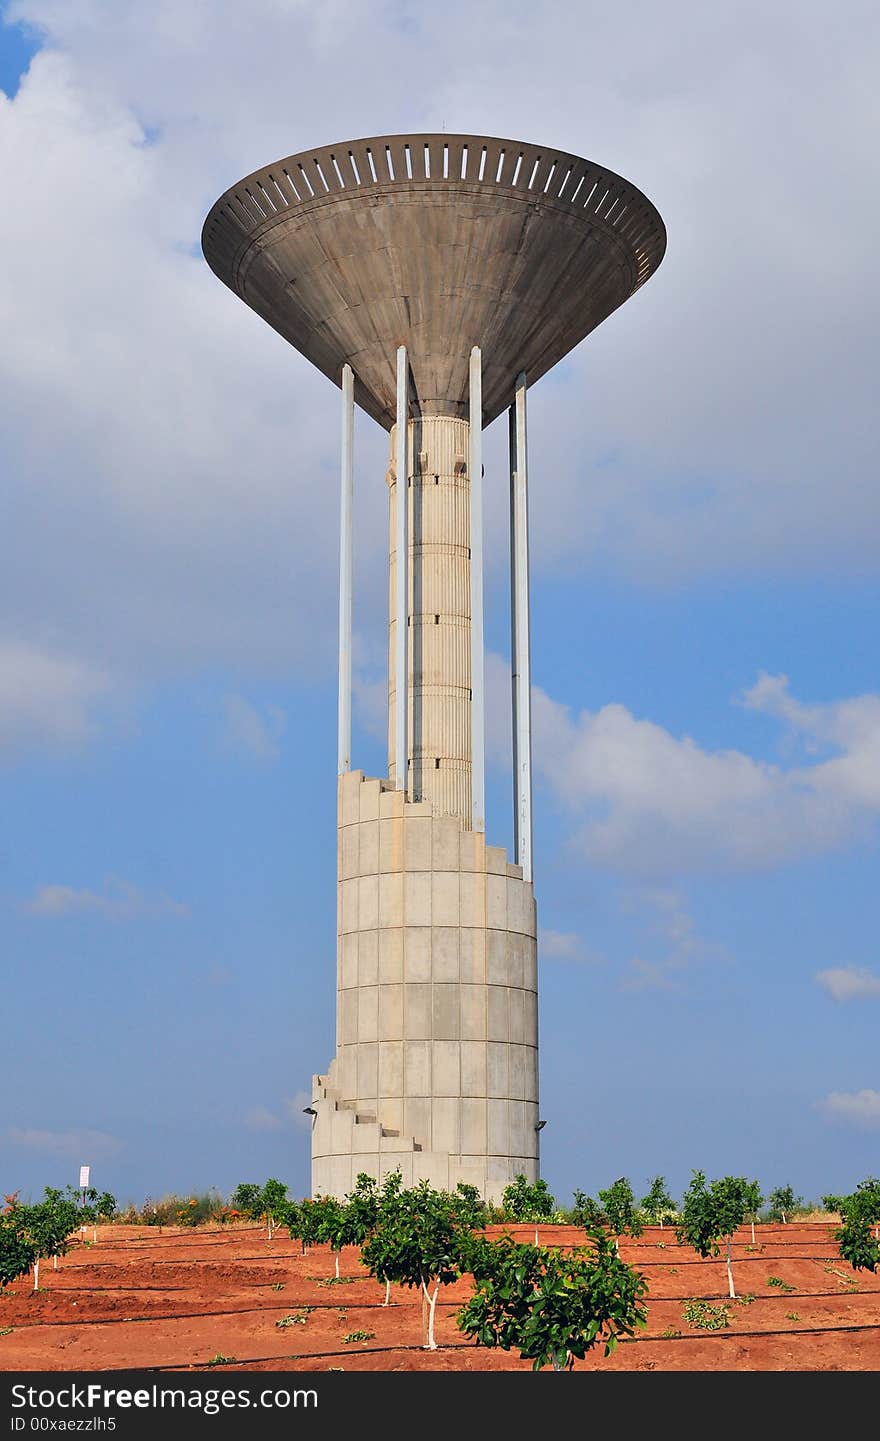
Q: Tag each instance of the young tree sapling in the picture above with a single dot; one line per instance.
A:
(782, 1202)
(754, 1201)
(711, 1214)
(658, 1205)
(422, 1243)
(620, 1208)
(552, 1305)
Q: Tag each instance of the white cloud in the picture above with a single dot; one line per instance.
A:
(294, 1110)
(648, 976)
(83, 1146)
(251, 733)
(673, 933)
(290, 1113)
(646, 801)
(170, 464)
(564, 946)
(120, 900)
(260, 1118)
(46, 698)
(857, 1108)
(849, 983)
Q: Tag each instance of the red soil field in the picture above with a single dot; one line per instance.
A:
(172, 1300)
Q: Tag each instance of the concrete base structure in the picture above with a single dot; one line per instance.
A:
(436, 1069)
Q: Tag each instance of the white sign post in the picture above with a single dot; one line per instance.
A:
(83, 1187)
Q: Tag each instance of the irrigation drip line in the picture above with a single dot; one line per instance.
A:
(160, 1240)
(306, 1356)
(208, 1315)
(196, 1261)
(100, 1290)
(276, 1256)
(744, 1335)
(720, 1260)
(188, 1236)
(293, 1305)
(239, 1363)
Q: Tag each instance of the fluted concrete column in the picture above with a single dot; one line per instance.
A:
(439, 720)
(346, 503)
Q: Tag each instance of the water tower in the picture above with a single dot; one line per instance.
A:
(433, 278)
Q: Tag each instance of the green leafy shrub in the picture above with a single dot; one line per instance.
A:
(552, 1305)
(105, 1206)
(658, 1205)
(619, 1205)
(36, 1232)
(856, 1237)
(468, 1206)
(587, 1212)
(753, 1201)
(783, 1203)
(779, 1285)
(419, 1241)
(17, 1254)
(705, 1317)
(711, 1214)
(833, 1203)
(246, 1199)
(174, 1210)
(525, 1200)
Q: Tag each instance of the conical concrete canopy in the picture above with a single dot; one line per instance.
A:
(438, 243)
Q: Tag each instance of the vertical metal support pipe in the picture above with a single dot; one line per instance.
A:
(520, 647)
(346, 498)
(401, 548)
(475, 469)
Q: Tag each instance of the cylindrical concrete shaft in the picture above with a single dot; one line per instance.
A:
(346, 571)
(439, 727)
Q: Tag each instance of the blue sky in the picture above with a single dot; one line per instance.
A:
(706, 529)
(20, 44)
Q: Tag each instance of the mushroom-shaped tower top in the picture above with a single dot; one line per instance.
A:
(438, 243)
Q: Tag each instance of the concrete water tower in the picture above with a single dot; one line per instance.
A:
(433, 278)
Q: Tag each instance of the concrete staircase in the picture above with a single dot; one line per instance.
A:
(352, 1131)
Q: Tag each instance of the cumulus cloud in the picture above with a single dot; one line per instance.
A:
(294, 1110)
(260, 1118)
(645, 975)
(856, 1108)
(46, 697)
(84, 1146)
(251, 733)
(170, 463)
(673, 934)
(119, 901)
(645, 800)
(165, 534)
(564, 946)
(290, 1112)
(849, 983)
